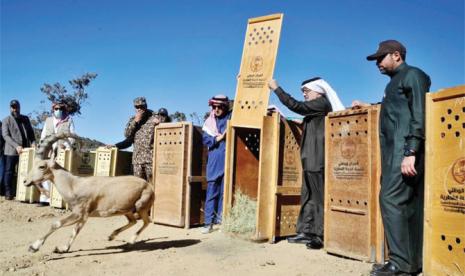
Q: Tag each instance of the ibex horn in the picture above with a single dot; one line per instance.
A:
(46, 145)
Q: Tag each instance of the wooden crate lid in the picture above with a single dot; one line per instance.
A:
(349, 111)
(447, 93)
(257, 66)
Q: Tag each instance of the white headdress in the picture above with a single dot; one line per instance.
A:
(321, 86)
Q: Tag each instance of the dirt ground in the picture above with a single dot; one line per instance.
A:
(161, 250)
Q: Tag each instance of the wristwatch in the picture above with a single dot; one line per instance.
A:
(409, 152)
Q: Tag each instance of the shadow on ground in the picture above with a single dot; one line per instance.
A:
(142, 246)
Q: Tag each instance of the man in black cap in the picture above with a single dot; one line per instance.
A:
(402, 135)
(18, 134)
(320, 99)
(163, 115)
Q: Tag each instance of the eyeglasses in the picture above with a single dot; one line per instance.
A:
(216, 107)
(139, 106)
(58, 108)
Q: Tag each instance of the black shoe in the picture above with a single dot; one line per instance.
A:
(377, 266)
(388, 269)
(315, 243)
(9, 197)
(43, 204)
(300, 238)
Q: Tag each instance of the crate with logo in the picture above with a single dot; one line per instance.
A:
(256, 152)
(26, 194)
(112, 162)
(78, 163)
(264, 164)
(352, 223)
(179, 159)
(444, 228)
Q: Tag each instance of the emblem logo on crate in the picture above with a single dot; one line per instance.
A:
(256, 64)
(348, 149)
(85, 158)
(458, 171)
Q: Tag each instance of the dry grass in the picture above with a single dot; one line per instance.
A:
(242, 216)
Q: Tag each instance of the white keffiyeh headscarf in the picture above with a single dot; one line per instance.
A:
(322, 87)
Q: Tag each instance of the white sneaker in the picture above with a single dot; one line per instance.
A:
(207, 229)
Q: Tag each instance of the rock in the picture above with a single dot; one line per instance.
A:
(29, 219)
(270, 262)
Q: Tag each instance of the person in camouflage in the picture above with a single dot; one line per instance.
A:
(139, 132)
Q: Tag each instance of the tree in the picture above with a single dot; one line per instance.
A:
(178, 116)
(58, 93)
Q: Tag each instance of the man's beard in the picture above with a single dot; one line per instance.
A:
(15, 114)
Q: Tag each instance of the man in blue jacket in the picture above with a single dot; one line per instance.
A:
(214, 138)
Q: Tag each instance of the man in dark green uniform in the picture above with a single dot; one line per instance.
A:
(320, 99)
(402, 135)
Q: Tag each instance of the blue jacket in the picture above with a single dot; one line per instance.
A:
(216, 150)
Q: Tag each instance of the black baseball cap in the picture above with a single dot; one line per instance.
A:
(388, 47)
(163, 111)
(14, 103)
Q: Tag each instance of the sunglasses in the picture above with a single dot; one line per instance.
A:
(217, 107)
(58, 108)
(139, 106)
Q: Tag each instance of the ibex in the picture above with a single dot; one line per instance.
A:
(94, 196)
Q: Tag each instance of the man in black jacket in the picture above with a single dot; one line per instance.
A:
(402, 135)
(320, 99)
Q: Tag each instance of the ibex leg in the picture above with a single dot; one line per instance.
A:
(131, 221)
(69, 220)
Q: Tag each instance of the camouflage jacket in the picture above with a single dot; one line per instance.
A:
(140, 134)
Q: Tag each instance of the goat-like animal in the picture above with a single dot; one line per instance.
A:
(94, 196)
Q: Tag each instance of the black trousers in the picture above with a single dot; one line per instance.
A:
(401, 202)
(8, 179)
(311, 215)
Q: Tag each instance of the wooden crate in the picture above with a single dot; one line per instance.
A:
(444, 228)
(352, 222)
(26, 194)
(78, 163)
(178, 174)
(112, 162)
(264, 164)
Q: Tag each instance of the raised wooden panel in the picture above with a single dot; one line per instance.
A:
(257, 66)
(444, 229)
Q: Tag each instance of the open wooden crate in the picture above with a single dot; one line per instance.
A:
(444, 228)
(352, 223)
(178, 175)
(26, 194)
(78, 163)
(252, 166)
(264, 164)
(112, 162)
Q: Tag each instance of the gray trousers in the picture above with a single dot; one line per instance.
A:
(311, 215)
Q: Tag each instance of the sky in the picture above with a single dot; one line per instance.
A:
(180, 53)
